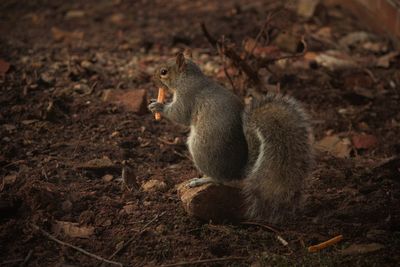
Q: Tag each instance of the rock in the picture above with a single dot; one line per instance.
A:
(73, 229)
(107, 178)
(129, 208)
(306, 8)
(154, 185)
(82, 89)
(134, 100)
(72, 14)
(214, 202)
(364, 141)
(47, 79)
(333, 144)
(355, 249)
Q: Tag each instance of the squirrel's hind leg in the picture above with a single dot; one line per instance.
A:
(200, 181)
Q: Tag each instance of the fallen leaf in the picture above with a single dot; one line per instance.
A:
(306, 8)
(258, 50)
(335, 60)
(154, 185)
(4, 67)
(384, 61)
(355, 37)
(72, 229)
(72, 14)
(60, 35)
(8, 180)
(333, 144)
(362, 248)
(364, 141)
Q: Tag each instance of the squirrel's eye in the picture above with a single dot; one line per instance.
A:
(163, 72)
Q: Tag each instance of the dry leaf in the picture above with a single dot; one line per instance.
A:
(362, 248)
(335, 60)
(365, 141)
(257, 50)
(72, 229)
(7, 180)
(306, 8)
(338, 147)
(4, 67)
(60, 35)
(384, 61)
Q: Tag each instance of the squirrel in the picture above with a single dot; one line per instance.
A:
(266, 145)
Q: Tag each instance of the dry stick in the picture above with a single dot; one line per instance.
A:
(51, 237)
(222, 56)
(230, 53)
(325, 244)
(185, 263)
(136, 235)
(262, 30)
(277, 232)
(26, 258)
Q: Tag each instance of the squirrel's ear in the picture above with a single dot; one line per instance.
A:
(180, 61)
(188, 53)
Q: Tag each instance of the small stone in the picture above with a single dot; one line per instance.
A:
(9, 127)
(160, 229)
(114, 134)
(107, 178)
(87, 65)
(355, 249)
(154, 185)
(130, 208)
(134, 100)
(82, 89)
(72, 14)
(47, 79)
(287, 42)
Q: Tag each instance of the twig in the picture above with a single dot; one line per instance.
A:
(262, 30)
(136, 235)
(325, 244)
(11, 261)
(223, 59)
(185, 263)
(28, 256)
(51, 237)
(230, 53)
(270, 228)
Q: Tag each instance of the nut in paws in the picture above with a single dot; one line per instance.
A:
(156, 107)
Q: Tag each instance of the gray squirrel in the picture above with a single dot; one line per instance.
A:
(267, 145)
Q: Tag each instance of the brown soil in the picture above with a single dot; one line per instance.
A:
(49, 128)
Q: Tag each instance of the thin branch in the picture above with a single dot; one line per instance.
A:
(136, 235)
(27, 258)
(51, 237)
(230, 53)
(186, 263)
(270, 228)
(223, 59)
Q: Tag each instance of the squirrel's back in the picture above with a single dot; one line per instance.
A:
(279, 138)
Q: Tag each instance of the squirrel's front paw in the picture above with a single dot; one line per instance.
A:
(156, 107)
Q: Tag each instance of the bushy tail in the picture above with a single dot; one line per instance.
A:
(280, 140)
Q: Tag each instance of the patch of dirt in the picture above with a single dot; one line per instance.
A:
(63, 148)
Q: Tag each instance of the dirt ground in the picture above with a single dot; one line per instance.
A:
(54, 122)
